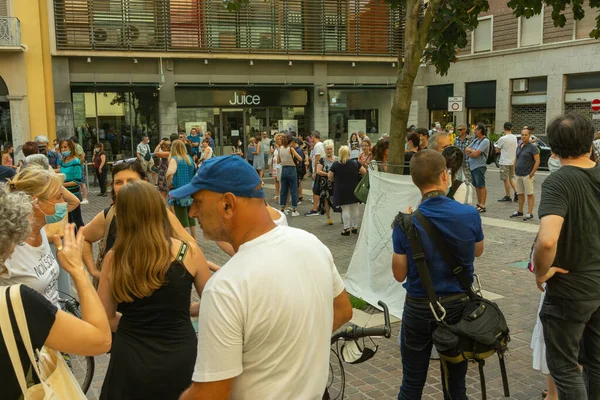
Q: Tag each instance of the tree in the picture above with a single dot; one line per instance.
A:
(434, 32)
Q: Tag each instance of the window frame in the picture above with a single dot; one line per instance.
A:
(490, 17)
(520, 30)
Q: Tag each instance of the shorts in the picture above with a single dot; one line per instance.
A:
(183, 215)
(525, 185)
(147, 165)
(478, 176)
(507, 172)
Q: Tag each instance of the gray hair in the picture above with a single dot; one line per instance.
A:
(15, 209)
(433, 140)
(41, 139)
(38, 159)
(316, 134)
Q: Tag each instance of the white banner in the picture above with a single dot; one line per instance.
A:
(370, 275)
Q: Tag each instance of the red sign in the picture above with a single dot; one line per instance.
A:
(596, 105)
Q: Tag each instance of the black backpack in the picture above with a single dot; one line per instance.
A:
(491, 157)
(482, 330)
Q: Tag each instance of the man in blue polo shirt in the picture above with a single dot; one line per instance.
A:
(460, 225)
(194, 140)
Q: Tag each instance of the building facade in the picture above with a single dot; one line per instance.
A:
(162, 67)
(515, 69)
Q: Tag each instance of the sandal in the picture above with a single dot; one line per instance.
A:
(346, 232)
(544, 393)
(481, 209)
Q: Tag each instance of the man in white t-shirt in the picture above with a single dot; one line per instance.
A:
(507, 147)
(265, 322)
(318, 152)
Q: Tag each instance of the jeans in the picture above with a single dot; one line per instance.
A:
(566, 322)
(289, 183)
(418, 324)
(102, 179)
(350, 213)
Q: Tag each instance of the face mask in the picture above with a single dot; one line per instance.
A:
(96, 150)
(66, 153)
(60, 210)
(406, 146)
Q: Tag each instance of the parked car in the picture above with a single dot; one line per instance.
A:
(545, 152)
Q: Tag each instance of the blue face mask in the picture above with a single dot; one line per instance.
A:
(60, 210)
(66, 153)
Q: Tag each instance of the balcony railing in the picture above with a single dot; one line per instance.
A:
(320, 27)
(10, 31)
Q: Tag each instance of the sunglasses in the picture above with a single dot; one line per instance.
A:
(128, 161)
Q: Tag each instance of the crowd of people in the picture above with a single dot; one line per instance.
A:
(257, 325)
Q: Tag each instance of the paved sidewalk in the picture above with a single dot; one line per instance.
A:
(380, 377)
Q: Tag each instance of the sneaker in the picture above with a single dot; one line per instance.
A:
(299, 202)
(85, 201)
(312, 213)
(505, 198)
(528, 217)
(516, 214)
(329, 222)
(516, 200)
(295, 213)
(286, 212)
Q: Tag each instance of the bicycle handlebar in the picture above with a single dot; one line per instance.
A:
(354, 332)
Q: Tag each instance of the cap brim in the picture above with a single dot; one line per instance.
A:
(183, 192)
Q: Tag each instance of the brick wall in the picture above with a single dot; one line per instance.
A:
(584, 109)
(529, 115)
(553, 34)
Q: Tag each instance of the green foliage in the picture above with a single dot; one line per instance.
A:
(357, 303)
(494, 137)
(528, 8)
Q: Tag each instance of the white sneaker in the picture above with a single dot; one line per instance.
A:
(295, 214)
(286, 212)
(84, 201)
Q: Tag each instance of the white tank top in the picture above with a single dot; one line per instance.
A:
(35, 267)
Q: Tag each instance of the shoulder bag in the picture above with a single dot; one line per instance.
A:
(362, 189)
(148, 155)
(482, 330)
(56, 379)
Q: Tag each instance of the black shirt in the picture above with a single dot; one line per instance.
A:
(111, 238)
(6, 173)
(40, 315)
(573, 193)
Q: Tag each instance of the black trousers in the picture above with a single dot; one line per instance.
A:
(102, 179)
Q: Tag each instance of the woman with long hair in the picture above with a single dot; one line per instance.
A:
(354, 145)
(181, 172)
(259, 158)
(70, 166)
(289, 177)
(48, 325)
(163, 152)
(7, 156)
(381, 153)
(251, 150)
(345, 173)
(100, 167)
(32, 263)
(459, 190)
(275, 166)
(325, 185)
(145, 287)
(365, 157)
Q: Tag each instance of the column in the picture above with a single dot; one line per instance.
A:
(320, 104)
(167, 104)
(460, 91)
(502, 103)
(19, 118)
(63, 104)
(555, 104)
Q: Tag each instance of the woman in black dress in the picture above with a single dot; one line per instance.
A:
(145, 287)
(347, 174)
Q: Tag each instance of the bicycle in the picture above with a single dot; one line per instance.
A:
(82, 366)
(352, 334)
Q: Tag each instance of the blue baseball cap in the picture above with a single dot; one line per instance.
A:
(224, 174)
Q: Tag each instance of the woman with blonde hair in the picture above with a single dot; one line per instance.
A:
(147, 277)
(325, 185)
(181, 172)
(346, 174)
(287, 157)
(32, 262)
(48, 325)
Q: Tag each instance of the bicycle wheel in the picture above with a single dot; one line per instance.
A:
(82, 366)
(336, 382)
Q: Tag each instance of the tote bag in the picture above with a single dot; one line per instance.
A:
(57, 380)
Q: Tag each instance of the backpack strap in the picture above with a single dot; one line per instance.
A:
(183, 250)
(107, 222)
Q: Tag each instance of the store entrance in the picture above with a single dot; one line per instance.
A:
(232, 128)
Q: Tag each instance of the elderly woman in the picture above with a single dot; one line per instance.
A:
(48, 326)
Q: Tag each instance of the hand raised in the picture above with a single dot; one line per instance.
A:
(69, 250)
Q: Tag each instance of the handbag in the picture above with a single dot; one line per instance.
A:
(362, 189)
(56, 379)
(482, 330)
(148, 155)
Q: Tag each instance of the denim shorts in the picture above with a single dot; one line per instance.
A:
(478, 176)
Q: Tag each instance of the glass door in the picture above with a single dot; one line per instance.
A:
(232, 128)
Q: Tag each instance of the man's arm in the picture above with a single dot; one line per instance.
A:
(536, 165)
(545, 249)
(219, 390)
(399, 266)
(478, 249)
(342, 310)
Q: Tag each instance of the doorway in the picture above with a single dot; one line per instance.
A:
(232, 128)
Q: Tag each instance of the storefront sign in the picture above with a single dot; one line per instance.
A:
(276, 97)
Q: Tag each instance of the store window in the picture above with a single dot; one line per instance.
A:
(485, 115)
(481, 103)
(437, 103)
(483, 35)
(118, 119)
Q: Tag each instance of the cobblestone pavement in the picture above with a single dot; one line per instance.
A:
(380, 377)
